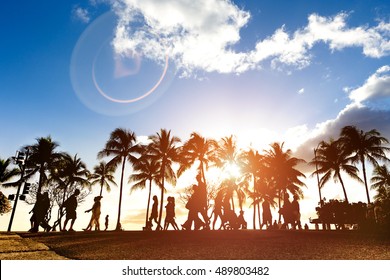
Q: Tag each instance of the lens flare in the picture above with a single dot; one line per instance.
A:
(121, 74)
(113, 84)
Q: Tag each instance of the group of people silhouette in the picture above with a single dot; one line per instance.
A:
(197, 219)
(68, 208)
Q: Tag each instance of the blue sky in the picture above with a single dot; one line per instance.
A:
(293, 71)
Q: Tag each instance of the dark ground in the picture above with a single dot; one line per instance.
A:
(219, 245)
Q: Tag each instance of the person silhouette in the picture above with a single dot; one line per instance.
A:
(295, 212)
(170, 214)
(241, 220)
(202, 200)
(154, 213)
(217, 211)
(95, 214)
(194, 208)
(106, 223)
(40, 209)
(70, 206)
(286, 212)
(267, 216)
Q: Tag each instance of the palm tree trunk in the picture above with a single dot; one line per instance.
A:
(254, 214)
(279, 202)
(118, 223)
(162, 195)
(365, 178)
(60, 213)
(342, 184)
(40, 183)
(258, 213)
(101, 189)
(147, 208)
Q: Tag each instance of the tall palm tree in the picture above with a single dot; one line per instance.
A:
(164, 150)
(227, 156)
(148, 171)
(364, 146)
(122, 146)
(197, 149)
(6, 173)
(42, 156)
(103, 175)
(332, 159)
(281, 166)
(250, 163)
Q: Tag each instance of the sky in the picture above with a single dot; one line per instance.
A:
(265, 71)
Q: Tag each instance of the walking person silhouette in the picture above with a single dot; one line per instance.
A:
(106, 223)
(170, 214)
(95, 214)
(40, 209)
(296, 214)
(267, 216)
(70, 206)
(154, 213)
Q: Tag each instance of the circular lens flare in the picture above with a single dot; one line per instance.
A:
(133, 99)
(115, 84)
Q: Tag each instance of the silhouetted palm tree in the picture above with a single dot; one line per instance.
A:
(331, 160)
(364, 146)
(149, 171)
(103, 175)
(67, 172)
(250, 163)
(381, 180)
(164, 150)
(6, 173)
(42, 156)
(227, 156)
(197, 149)
(281, 166)
(122, 146)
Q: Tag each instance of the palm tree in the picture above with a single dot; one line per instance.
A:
(149, 171)
(331, 160)
(364, 146)
(250, 163)
(42, 156)
(103, 175)
(122, 146)
(381, 179)
(68, 172)
(200, 149)
(226, 157)
(7, 173)
(281, 168)
(164, 150)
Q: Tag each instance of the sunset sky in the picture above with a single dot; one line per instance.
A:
(264, 71)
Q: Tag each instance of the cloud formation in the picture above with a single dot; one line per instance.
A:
(202, 35)
(369, 109)
(81, 14)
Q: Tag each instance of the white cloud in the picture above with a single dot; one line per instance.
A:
(196, 34)
(376, 87)
(293, 50)
(81, 14)
(202, 34)
(301, 91)
(369, 109)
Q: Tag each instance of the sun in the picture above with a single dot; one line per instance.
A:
(231, 170)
